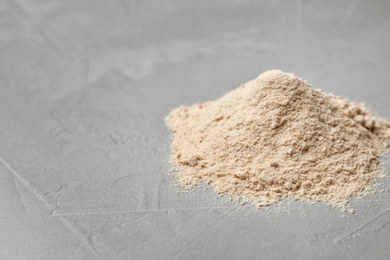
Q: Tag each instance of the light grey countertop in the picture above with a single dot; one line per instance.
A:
(85, 87)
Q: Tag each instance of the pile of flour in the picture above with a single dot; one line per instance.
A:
(278, 137)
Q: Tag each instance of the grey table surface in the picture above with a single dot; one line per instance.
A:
(85, 86)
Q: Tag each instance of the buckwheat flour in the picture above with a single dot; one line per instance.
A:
(278, 137)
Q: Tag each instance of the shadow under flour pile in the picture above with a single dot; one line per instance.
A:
(278, 137)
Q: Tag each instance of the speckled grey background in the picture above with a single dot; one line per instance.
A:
(85, 86)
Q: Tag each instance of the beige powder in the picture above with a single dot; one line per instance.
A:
(278, 137)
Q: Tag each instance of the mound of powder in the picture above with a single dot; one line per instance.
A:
(278, 137)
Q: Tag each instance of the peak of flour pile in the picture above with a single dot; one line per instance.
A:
(278, 137)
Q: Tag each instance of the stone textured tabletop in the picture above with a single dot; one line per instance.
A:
(85, 87)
